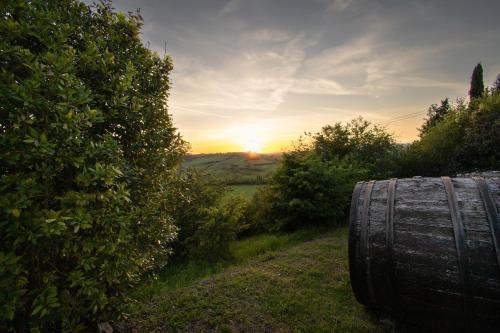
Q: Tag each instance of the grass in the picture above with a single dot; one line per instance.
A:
(245, 191)
(267, 244)
(277, 283)
(181, 274)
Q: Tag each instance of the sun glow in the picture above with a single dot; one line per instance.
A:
(250, 138)
(252, 147)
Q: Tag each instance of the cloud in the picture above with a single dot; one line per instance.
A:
(268, 35)
(256, 80)
(319, 86)
(230, 7)
(339, 5)
(370, 65)
(333, 6)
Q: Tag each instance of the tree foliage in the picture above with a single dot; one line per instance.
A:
(313, 183)
(465, 140)
(435, 114)
(476, 82)
(358, 142)
(86, 151)
(206, 220)
(481, 146)
(496, 85)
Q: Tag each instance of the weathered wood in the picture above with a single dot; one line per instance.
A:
(426, 250)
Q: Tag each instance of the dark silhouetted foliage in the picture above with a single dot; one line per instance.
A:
(434, 115)
(476, 82)
(496, 85)
(481, 145)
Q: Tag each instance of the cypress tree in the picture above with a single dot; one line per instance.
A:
(476, 82)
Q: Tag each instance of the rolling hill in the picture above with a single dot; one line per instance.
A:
(234, 168)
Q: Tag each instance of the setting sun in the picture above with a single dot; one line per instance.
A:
(252, 146)
(250, 137)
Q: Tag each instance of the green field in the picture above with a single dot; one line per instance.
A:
(234, 168)
(276, 283)
(245, 191)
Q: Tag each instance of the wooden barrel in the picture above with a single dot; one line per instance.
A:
(427, 251)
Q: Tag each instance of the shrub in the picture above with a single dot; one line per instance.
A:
(313, 191)
(219, 225)
(206, 220)
(86, 151)
(304, 191)
(260, 214)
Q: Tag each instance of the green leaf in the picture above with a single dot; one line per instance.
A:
(16, 212)
(37, 309)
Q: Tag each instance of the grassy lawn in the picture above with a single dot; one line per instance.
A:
(276, 283)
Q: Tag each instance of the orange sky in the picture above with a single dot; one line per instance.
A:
(257, 74)
(268, 136)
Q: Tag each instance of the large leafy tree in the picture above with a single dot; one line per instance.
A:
(476, 82)
(87, 149)
(357, 142)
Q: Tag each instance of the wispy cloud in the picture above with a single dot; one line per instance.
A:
(256, 80)
(336, 5)
(230, 6)
(339, 5)
(268, 35)
(370, 65)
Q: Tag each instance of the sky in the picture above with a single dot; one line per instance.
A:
(256, 74)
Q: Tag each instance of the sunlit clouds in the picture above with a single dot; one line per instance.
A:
(255, 75)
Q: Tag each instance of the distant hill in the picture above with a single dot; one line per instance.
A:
(234, 168)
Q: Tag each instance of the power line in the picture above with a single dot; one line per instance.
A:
(401, 117)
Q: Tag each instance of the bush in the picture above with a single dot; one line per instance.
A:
(206, 220)
(312, 191)
(214, 232)
(86, 152)
(260, 214)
